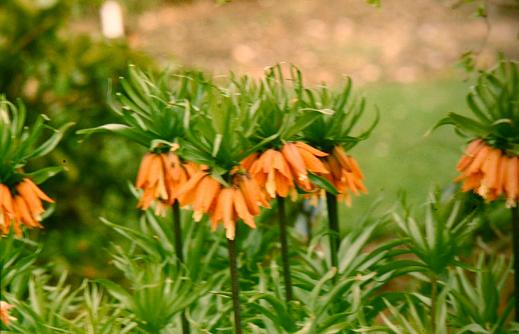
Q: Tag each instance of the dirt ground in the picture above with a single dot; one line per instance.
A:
(404, 40)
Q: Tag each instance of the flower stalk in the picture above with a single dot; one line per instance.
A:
(434, 296)
(235, 286)
(515, 228)
(284, 248)
(333, 221)
(177, 229)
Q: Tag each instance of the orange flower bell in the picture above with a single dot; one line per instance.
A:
(345, 175)
(223, 204)
(277, 172)
(160, 176)
(489, 172)
(25, 207)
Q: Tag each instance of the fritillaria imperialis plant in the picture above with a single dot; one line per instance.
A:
(225, 151)
(281, 167)
(490, 164)
(335, 173)
(154, 112)
(20, 197)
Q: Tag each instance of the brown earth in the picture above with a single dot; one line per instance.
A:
(404, 40)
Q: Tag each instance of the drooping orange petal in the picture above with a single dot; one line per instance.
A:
(490, 168)
(266, 160)
(23, 213)
(187, 191)
(31, 199)
(283, 185)
(470, 153)
(250, 194)
(280, 164)
(226, 196)
(37, 190)
(144, 170)
(270, 185)
(248, 161)
(342, 158)
(6, 199)
(312, 150)
(241, 208)
(291, 154)
(512, 182)
(312, 163)
(478, 161)
(501, 174)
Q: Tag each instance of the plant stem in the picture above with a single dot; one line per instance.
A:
(284, 248)
(231, 245)
(177, 229)
(333, 221)
(515, 241)
(434, 292)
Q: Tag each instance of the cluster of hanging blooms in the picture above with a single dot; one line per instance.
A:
(489, 172)
(160, 176)
(223, 204)
(5, 318)
(23, 206)
(345, 174)
(279, 171)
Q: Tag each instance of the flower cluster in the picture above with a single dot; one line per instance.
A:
(23, 208)
(345, 174)
(223, 204)
(278, 172)
(489, 172)
(160, 176)
(5, 318)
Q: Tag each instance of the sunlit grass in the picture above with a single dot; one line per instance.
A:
(398, 155)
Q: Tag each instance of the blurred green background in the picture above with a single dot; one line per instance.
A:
(404, 57)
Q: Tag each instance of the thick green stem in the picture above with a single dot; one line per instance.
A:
(515, 241)
(177, 229)
(333, 221)
(284, 248)
(231, 245)
(434, 293)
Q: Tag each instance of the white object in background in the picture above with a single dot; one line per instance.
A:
(112, 23)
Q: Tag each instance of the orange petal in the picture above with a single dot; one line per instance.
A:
(478, 160)
(241, 208)
(250, 194)
(512, 181)
(37, 190)
(226, 196)
(6, 199)
(144, 170)
(248, 161)
(312, 163)
(291, 154)
(312, 150)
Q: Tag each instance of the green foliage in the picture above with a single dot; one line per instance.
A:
(494, 103)
(66, 75)
(19, 143)
(339, 114)
(155, 111)
(438, 238)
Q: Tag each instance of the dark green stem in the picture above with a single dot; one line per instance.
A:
(284, 248)
(515, 241)
(177, 229)
(434, 293)
(231, 245)
(333, 221)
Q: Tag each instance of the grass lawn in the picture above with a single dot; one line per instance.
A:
(398, 156)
